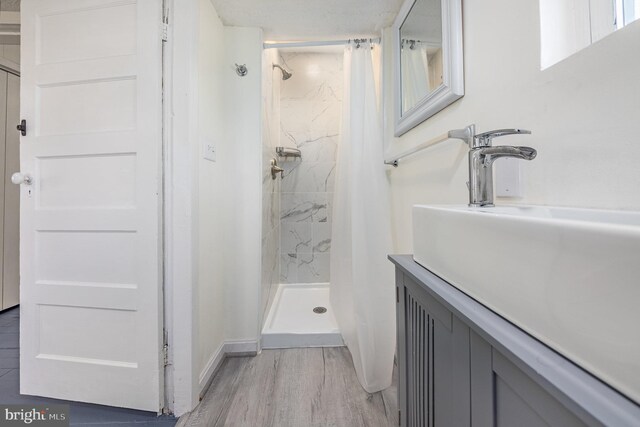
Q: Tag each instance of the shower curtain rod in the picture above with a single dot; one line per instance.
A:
(281, 45)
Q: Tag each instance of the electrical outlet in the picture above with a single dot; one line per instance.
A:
(210, 151)
(508, 177)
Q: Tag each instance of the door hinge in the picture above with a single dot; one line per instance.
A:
(399, 417)
(165, 354)
(165, 347)
(397, 294)
(165, 31)
(165, 22)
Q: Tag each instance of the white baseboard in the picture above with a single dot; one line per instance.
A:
(227, 348)
(210, 368)
(241, 347)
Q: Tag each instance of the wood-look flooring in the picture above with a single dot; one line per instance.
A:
(294, 387)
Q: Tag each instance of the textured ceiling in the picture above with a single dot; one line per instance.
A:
(310, 19)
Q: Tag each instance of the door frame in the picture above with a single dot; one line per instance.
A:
(180, 187)
(8, 67)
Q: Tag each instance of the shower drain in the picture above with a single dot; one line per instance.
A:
(319, 310)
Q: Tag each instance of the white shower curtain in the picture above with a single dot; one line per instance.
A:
(362, 280)
(414, 66)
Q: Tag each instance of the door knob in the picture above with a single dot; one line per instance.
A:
(21, 178)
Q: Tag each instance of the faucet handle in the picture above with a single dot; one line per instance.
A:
(484, 139)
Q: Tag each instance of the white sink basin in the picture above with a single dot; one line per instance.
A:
(569, 277)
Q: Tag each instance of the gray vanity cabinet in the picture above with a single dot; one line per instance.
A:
(433, 360)
(503, 395)
(460, 364)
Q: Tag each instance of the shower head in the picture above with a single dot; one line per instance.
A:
(285, 74)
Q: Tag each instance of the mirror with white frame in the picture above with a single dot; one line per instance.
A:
(428, 60)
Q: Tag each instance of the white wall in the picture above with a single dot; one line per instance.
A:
(213, 212)
(584, 113)
(230, 190)
(212, 220)
(243, 106)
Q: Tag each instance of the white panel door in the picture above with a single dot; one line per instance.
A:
(90, 259)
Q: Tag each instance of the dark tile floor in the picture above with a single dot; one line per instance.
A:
(80, 413)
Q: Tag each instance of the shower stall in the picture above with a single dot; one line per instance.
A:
(326, 206)
(302, 94)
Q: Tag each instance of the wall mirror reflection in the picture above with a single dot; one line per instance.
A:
(420, 52)
(428, 60)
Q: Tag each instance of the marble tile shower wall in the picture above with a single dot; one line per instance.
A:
(310, 109)
(270, 187)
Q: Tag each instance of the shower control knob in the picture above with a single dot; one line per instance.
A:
(241, 70)
(21, 178)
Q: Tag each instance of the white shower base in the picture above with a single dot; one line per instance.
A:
(291, 321)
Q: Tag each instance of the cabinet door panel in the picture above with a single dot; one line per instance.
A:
(481, 382)
(434, 362)
(511, 410)
(401, 347)
(503, 395)
(519, 399)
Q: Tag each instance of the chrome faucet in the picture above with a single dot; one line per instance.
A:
(481, 158)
